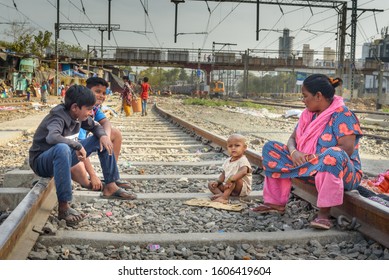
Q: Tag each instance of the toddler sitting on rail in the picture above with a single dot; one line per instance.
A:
(236, 178)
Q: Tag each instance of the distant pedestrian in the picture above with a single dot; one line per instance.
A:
(108, 92)
(127, 95)
(28, 90)
(44, 92)
(145, 86)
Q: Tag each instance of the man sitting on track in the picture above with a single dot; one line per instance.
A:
(55, 150)
(79, 174)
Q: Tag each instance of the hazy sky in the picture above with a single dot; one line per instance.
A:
(232, 23)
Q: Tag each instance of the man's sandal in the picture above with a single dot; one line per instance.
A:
(265, 208)
(321, 223)
(71, 216)
(120, 194)
(121, 184)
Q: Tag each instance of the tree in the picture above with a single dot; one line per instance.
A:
(160, 78)
(23, 44)
(41, 42)
(280, 83)
(70, 50)
(18, 30)
(183, 75)
(24, 40)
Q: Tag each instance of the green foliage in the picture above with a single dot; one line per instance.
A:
(160, 78)
(70, 50)
(219, 103)
(281, 83)
(41, 42)
(31, 44)
(208, 102)
(183, 75)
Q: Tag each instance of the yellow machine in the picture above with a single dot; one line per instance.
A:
(217, 89)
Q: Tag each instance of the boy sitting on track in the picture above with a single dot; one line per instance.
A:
(79, 174)
(236, 178)
(55, 150)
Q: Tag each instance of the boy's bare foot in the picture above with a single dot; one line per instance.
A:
(221, 200)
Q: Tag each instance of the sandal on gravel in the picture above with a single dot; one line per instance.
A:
(321, 223)
(119, 195)
(121, 184)
(265, 208)
(71, 216)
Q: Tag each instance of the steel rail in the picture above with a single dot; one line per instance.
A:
(21, 229)
(373, 218)
(252, 156)
(303, 107)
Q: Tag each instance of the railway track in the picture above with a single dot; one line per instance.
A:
(168, 162)
(375, 128)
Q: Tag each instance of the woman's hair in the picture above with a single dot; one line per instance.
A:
(80, 95)
(322, 83)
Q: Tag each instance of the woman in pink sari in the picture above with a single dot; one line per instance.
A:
(323, 150)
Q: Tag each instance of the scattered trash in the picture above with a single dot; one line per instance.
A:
(153, 247)
(183, 179)
(293, 113)
(66, 252)
(107, 108)
(108, 214)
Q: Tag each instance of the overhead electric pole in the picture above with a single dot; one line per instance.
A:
(339, 5)
(176, 2)
(84, 26)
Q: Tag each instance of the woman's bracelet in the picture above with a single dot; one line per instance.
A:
(307, 157)
(291, 154)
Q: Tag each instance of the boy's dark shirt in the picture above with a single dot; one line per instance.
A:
(59, 127)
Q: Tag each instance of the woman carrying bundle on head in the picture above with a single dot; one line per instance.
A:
(127, 95)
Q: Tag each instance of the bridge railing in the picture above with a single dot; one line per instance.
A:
(231, 57)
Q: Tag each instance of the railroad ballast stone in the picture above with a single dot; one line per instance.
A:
(216, 122)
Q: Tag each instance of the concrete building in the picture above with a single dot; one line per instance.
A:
(285, 45)
(329, 57)
(371, 52)
(308, 58)
(365, 50)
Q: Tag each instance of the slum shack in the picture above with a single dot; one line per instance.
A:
(24, 78)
